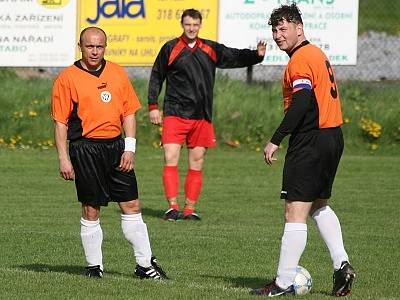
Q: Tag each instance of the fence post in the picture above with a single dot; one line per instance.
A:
(249, 74)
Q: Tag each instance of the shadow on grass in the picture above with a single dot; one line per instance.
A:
(156, 213)
(148, 212)
(252, 283)
(242, 282)
(74, 270)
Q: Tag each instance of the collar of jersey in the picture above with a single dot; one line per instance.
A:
(298, 47)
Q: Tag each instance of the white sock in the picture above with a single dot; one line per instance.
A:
(135, 231)
(92, 238)
(294, 241)
(329, 227)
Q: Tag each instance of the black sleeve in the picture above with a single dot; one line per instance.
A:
(158, 74)
(236, 58)
(294, 115)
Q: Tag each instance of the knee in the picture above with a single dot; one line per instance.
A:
(90, 213)
(318, 205)
(196, 163)
(130, 207)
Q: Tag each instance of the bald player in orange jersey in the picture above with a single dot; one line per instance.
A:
(93, 103)
(312, 119)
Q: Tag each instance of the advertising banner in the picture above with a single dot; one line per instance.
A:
(37, 32)
(136, 29)
(330, 24)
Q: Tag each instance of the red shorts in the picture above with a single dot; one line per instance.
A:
(196, 133)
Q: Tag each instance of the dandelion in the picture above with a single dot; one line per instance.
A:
(346, 120)
(374, 146)
(2, 141)
(258, 149)
(32, 113)
(370, 128)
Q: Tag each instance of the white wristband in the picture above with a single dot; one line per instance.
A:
(130, 144)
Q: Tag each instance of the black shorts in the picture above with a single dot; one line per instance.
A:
(311, 164)
(98, 179)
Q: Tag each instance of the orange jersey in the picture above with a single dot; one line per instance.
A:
(93, 106)
(309, 68)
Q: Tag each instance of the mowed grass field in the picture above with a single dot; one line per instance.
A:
(233, 249)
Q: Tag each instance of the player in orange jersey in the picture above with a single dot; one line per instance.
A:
(93, 102)
(312, 118)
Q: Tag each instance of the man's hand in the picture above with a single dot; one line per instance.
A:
(261, 48)
(155, 117)
(269, 151)
(66, 170)
(127, 161)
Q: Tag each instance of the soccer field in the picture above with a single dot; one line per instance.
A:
(233, 249)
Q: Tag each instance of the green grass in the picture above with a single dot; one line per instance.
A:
(233, 249)
(379, 16)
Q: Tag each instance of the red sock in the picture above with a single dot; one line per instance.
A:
(174, 206)
(171, 181)
(193, 183)
(188, 211)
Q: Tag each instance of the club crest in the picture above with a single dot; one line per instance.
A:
(105, 96)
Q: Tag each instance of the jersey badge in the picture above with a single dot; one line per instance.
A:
(105, 96)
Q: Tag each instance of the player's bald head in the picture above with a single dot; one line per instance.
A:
(92, 30)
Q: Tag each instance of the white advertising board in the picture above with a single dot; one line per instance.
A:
(37, 33)
(330, 24)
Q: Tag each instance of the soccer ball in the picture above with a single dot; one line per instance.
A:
(302, 282)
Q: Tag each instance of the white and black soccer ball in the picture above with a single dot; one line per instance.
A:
(302, 282)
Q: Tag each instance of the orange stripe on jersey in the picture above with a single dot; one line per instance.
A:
(308, 66)
(180, 45)
(208, 50)
(101, 102)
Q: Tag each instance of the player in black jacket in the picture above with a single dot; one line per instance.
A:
(188, 64)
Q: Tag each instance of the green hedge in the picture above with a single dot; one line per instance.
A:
(245, 116)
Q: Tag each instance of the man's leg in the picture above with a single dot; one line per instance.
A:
(92, 238)
(294, 241)
(329, 227)
(171, 178)
(135, 232)
(194, 179)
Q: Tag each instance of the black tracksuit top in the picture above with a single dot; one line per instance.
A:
(190, 75)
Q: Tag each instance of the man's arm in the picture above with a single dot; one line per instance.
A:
(127, 159)
(60, 136)
(294, 115)
(239, 58)
(157, 77)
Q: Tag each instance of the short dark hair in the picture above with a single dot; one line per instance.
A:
(91, 27)
(193, 13)
(290, 13)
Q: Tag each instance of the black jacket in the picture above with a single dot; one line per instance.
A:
(190, 75)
